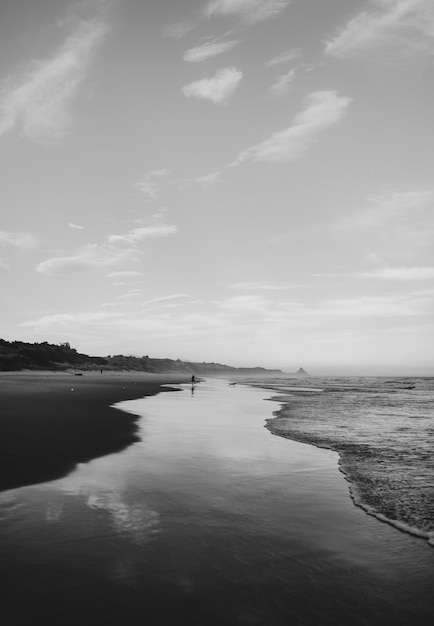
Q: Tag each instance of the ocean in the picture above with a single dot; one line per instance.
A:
(383, 429)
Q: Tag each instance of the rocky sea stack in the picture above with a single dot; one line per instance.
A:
(301, 373)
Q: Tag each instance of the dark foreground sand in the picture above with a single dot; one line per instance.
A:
(49, 421)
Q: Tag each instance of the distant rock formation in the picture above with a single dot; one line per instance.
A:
(301, 373)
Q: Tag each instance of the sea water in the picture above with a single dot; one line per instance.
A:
(208, 519)
(383, 429)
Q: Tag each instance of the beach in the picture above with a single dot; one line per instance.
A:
(50, 421)
(198, 515)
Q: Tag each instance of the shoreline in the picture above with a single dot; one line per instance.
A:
(52, 421)
(353, 487)
(207, 520)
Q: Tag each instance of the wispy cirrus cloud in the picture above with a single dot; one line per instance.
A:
(150, 184)
(208, 179)
(399, 224)
(260, 286)
(283, 83)
(119, 251)
(75, 226)
(323, 110)
(284, 57)
(250, 11)
(140, 233)
(165, 299)
(60, 321)
(16, 244)
(400, 273)
(131, 294)
(390, 305)
(219, 88)
(148, 228)
(207, 50)
(247, 303)
(202, 181)
(36, 104)
(125, 274)
(413, 206)
(385, 273)
(401, 27)
(89, 258)
(247, 11)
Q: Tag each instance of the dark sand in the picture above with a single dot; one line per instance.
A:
(50, 422)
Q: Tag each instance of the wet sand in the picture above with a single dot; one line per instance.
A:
(50, 422)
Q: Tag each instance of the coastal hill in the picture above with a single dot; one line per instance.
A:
(18, 355)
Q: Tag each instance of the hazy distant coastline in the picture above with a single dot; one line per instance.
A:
(18, 355)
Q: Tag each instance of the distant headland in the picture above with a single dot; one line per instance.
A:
(18, 355)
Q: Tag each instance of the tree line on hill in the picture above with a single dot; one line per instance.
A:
(18, 355)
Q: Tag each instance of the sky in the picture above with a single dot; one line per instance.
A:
(247, 182)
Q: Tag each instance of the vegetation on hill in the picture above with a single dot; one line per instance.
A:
(18, 355)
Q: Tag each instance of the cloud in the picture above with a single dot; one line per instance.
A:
(36, 105)
(16, 244)
(125, 274)
(60, 321)
(174, 296)
(258, 286)
(323, 110)
(283, 84)
(395, 206)
(90, 258)
(403, 27)
(284, 57)
(247, 303)
(19, 242)
(401, 273)
(218, 88)
(203, 181)
(136, 235)
(120, 250)
(399, 223)
(208, 179)
(207, 50)
(390, 305)
(150, 184)
(130, 295)
(75, 226)
(250, 11)
(385, 273)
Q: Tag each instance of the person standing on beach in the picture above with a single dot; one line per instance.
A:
(193, 380)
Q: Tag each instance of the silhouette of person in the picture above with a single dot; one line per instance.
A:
(193, 380)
